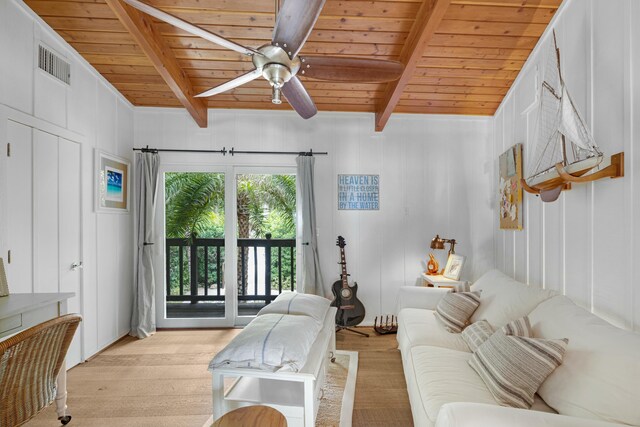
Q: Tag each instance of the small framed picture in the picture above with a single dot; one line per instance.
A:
(112, 183)
(453, 270)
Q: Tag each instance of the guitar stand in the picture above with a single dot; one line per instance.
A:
(340, 328)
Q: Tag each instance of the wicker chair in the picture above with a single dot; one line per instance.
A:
(29, 365)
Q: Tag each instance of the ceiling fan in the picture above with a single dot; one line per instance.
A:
(279, 63)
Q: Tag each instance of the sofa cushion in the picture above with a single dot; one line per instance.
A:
(421, 362)
(504, 299)
(443, 376)
(477, 333)
(513, 367)
(601, 371)
(477, 414)
(420, 327)
(455, 309)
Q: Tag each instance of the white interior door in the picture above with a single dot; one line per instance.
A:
(45, 213)
(43, 226)
(70, 264)
(19, 256)
(57, 223)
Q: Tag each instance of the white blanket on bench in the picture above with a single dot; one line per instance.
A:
(272, 342)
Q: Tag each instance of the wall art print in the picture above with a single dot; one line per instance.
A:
(510, 188)
(358, 192)
(112, 183)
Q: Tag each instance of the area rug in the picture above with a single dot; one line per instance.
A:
(336, 403)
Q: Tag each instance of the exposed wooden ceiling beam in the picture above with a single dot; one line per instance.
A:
(158, 51)
(428, 19)
(466, 67)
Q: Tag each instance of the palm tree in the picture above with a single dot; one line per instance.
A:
(195, 205)
(258, 195)
(193, 200)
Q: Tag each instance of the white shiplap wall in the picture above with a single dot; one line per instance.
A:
(433, 175)
(92, 108)
(585, 245)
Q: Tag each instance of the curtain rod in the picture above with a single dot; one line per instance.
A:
(233, 151)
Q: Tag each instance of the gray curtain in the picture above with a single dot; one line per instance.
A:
(143, 318)
(312, 282)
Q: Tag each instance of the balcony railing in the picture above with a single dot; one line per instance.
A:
(195, 269)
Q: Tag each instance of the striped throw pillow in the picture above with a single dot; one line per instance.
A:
(455, 309)
(519, 328)
(513, 368)
(477, 333)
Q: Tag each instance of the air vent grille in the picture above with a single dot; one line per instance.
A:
(51, 63)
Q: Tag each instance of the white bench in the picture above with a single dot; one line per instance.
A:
(295, 394)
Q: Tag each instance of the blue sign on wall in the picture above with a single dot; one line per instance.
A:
(359, 192)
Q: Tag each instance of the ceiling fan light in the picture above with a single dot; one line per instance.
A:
(275, 95)
(276, 74)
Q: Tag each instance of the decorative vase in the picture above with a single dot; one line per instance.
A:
(432, 265)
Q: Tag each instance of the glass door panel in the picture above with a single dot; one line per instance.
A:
(266, 232)
(195, 245)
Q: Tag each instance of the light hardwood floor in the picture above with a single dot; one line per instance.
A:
(163, 381)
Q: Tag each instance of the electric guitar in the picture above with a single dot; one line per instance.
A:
(350, 308)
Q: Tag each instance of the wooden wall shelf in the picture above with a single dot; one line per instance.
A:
(614, 170)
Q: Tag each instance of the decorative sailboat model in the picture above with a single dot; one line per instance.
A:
(565, 149)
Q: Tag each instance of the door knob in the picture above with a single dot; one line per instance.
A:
(76, 265)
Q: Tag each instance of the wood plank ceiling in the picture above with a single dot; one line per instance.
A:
(465, 67)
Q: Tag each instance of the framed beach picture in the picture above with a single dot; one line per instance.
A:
(112, 183)
(453, 270)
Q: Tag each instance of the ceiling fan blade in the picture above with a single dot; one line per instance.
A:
(299, 98)
(344, 69)
(295, 21)
(190, 28)
(238, 81)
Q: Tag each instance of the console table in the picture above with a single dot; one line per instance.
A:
(22, 311)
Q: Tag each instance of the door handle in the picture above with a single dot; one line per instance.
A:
(76, 266)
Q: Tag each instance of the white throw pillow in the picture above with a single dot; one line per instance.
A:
(505, 299)
(600, 376)
(298, 304)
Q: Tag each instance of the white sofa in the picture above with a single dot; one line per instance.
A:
(598, 383)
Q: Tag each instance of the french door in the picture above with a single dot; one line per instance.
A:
(229, 243)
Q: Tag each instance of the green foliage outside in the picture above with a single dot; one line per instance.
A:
(194, 205)
(195, 209)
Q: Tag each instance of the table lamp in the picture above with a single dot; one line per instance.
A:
(438, 243)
